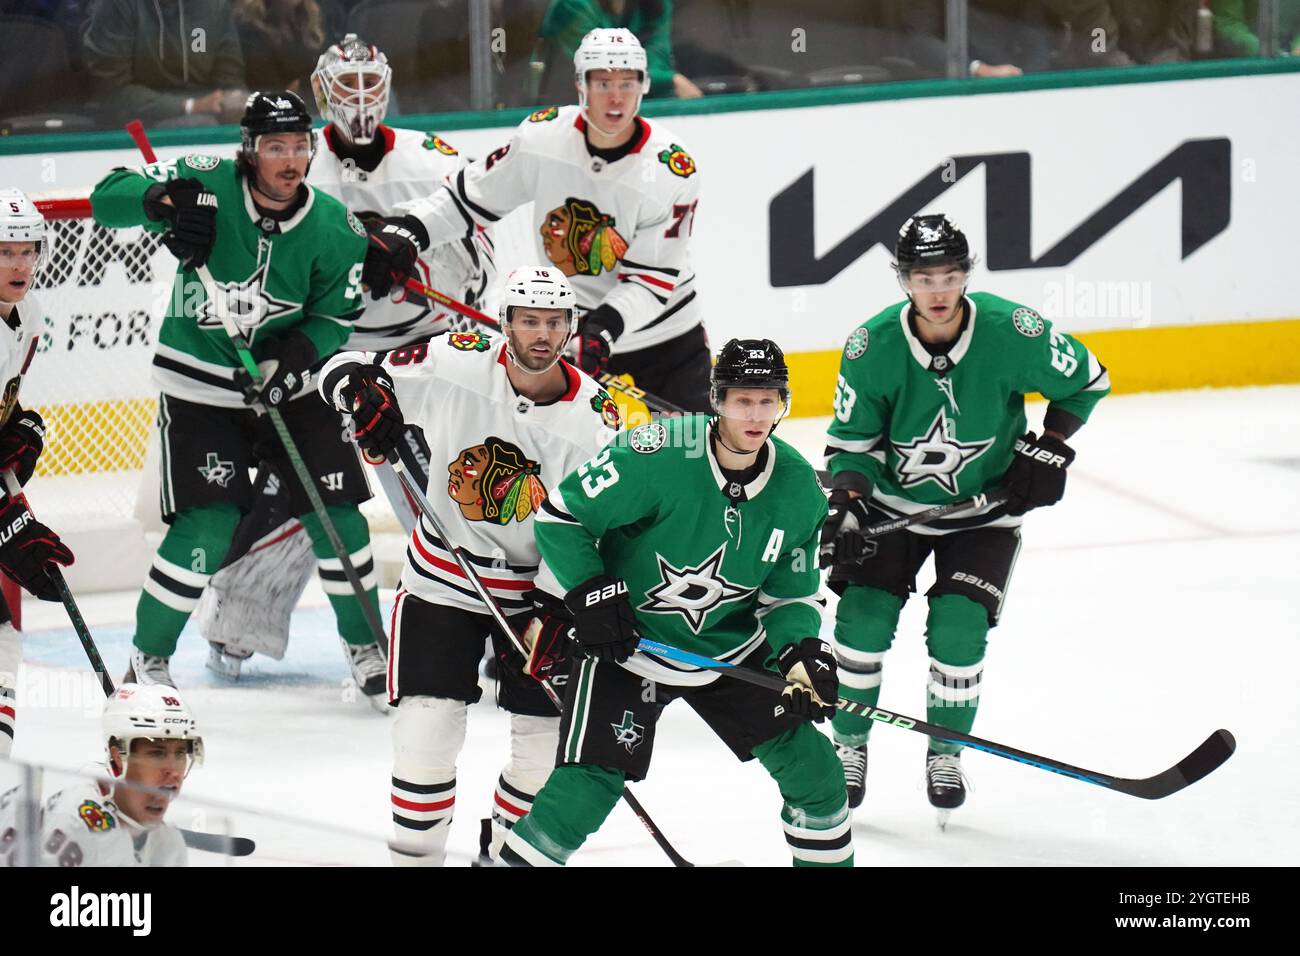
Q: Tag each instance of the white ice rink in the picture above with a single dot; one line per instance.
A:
(1158, 602)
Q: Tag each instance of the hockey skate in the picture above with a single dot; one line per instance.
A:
(370, 671)
(147, 669)
(945, 784)
(854, 761)
(226, 660)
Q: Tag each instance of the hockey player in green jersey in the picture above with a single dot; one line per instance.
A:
(929, 409)
(701, 533)
(290, 262)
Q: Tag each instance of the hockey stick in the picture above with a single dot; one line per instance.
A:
(503, 625)
(232, 846)
(921, 517)
(15, 490)
(650, 400)
(219, 305)
(1216, 748)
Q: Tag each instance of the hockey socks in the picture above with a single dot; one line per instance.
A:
(815, 817)
(865, 622)
(352, 529)
(189, 555)
(571, 807)
(956, 634)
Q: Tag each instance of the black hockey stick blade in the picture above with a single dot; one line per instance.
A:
(216, 843)
(1216, 748)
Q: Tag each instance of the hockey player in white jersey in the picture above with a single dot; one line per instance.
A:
(27, 547)
(369, 167)
(152, 743)
(614, 202)
(507, 418)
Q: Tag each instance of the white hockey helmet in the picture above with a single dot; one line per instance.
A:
(609, 49)
(154, 711)
(21, 221)
(541, 288)
(351, 82)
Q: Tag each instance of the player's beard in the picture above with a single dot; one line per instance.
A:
(530, 361)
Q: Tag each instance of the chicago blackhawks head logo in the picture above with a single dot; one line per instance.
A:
(469, 341)
(495, 482)
(677, 160)
(606, 407)
(543, 115)
(580, 239)
(95, 817)
(436, 142)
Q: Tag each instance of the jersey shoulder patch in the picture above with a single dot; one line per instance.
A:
(606, 408)
(435, 142)
(96, 817)
(544, 115)
(202, 162)
(1027, 322)
(355, 223)
(648, 439)
(469, 341)
(677, 160)
(856, 346)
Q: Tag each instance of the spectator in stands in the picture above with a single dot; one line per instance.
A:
(568, 21)
(1116, 33)
(281, 40)
(166, 62)
(1236, 23)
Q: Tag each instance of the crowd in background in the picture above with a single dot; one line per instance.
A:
(82, 64)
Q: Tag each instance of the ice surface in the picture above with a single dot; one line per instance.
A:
(1158, 602)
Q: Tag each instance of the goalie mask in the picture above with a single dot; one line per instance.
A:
(21, 221)
(609, 49)
(538, 288)
(153, 711)
(351, 82)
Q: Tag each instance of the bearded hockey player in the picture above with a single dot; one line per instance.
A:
(929, 409)
(28, 549)
(507, 419)
(369, 167)
(290, 261)
(614, 201)
(152, 743)
(702, 534)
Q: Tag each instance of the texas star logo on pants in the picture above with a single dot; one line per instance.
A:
(629, 733)
(216, 471)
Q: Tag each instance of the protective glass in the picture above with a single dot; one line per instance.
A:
(750, 405)
(918, 282)
(278, 151)
(625, 86)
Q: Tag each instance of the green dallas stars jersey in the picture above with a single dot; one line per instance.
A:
(305, 277)
(702, 575)
(924, 430)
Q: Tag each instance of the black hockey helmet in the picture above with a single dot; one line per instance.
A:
(930, 241)
(279, 111)
(749, 363)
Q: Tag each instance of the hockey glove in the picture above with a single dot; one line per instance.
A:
(285, 363)
(840, 541)
(549, 639)
(390, 259)
(191, 219)
(29, 550)
(377, 425)
(809, 666)
(600, 327)
(1036, 477)
(21, 442)
(603, 623)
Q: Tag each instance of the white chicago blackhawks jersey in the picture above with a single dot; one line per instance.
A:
(82, 826)
(413, 165)
(18, 338)
(494, 457)
(620, 231)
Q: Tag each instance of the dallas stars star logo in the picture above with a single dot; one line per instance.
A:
(693, 592)
(249, 303)
(937, 457)
(217, 472)
(629, 733)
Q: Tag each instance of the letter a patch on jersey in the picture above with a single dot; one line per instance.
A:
(693, 592)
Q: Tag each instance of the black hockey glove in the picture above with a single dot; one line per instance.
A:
(21, 442)
(191, 219)
(809, 666)
(549, 639)
(285, 363)
(840, 541)
(603, 623)
(367, 395)
(600, 327)
(29, 550)
(390, 259)
(1036, 477)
